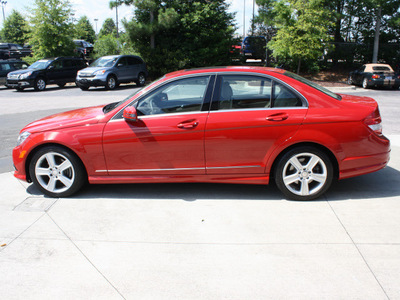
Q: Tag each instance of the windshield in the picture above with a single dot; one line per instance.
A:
(40, 64)
(104, 62)
(313, 85)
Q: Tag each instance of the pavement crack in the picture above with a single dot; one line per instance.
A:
(86, 257)
(358, 249)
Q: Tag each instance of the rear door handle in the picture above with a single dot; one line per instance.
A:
(277, 117)
(188, 124)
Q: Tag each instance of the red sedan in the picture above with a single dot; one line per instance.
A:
(245, 125)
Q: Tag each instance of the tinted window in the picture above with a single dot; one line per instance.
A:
(184, 95)
(57, 65)
(69, 63)
(284, 97)
(5, 67)
(20, 65)
(133, 61)
(386, 69)
(242, 92)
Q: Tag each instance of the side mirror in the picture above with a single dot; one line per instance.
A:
(120, 65)
(50, 68)
(130, 114)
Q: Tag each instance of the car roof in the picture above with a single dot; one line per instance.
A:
(239, 69)
(369, 67)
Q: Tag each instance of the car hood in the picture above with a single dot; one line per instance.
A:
(73, 118)
(18, 72)
(91, 70)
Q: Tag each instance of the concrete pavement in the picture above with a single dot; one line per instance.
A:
(203, 241)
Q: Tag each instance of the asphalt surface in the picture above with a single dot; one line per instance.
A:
(195, 241)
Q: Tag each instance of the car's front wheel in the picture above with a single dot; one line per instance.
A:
(57, 172)
(304, 173)
(350, 80)
(111, 82)
(40, 84)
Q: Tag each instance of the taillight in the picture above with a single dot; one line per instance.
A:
(376, 76)
(374, 122)
(84, 51)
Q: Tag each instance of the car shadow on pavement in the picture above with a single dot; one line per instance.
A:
(382, 184)
(48, 89)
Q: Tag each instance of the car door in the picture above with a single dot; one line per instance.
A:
(134, 68)
(250, 116)
(123, 69)
(55, 72)
(168, 137)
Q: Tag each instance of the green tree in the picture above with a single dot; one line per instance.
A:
(52, 30)
(84, 30)
(108, 27)
(15, 29)
(177, 34)
(302, 33)
(106, 45)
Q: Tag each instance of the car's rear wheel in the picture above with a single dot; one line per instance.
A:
(365, 84)
(304, 173)
(40, 84)
(141, 81)
(111, 82)
(57, 172)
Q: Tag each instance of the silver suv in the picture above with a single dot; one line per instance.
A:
(110, 71)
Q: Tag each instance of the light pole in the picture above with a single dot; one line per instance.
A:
(95, 20)
(3, 4)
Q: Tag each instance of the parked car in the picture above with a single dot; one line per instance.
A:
(7, 66)
(245, 125)
(254, 47)
(9, 50)
(59, 70)
(83, 48)
(110, 71)
(375, 75)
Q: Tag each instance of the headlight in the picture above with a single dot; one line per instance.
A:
(22, 137)
(25, 75)
(99, 72)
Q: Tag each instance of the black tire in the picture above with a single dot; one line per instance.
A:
(111, 82)
(350, 80)
(364, 83)
(40, 84)
(304, 173)
(84, 88)
(61, 173)
(141, 81)
(61, 85)
(19, 89)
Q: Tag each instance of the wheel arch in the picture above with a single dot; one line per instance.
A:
(41, 146)
(320, 147)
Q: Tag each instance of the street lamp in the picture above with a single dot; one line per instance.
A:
(3, 4)
(95, 20)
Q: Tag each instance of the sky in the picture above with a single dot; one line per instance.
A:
(99, 9)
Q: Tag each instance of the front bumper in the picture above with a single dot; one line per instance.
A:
(91, 81)
(16, 83)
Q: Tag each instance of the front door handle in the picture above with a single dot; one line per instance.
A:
(277, 117)
(188, 124)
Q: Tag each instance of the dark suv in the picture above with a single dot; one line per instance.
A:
(110, 71)
(83, 48)
(7, 66)
(254, 47)
(59, 70)
(8, 50)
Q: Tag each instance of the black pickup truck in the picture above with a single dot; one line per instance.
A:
(9, 50)
(83, 48)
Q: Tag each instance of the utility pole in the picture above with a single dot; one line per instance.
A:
(95, 20)
(244, 18)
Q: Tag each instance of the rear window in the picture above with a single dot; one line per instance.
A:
(313, 85)
(385, 69)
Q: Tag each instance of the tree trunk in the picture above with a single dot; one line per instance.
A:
(152, 38)
(298, 66)
(377, 31)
